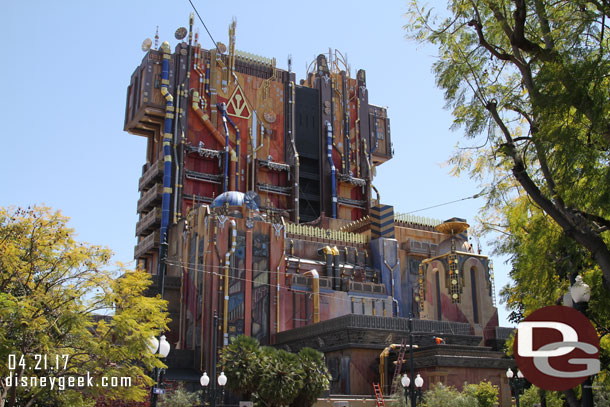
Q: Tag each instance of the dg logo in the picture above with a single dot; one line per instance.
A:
(556, 348)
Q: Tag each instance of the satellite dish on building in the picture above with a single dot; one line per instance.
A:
(146, 44)
(180, 33)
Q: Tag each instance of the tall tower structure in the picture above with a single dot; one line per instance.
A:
(262, 188)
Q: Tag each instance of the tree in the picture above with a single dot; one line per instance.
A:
(316, 378)
(272, 377)
(50, 288)
(530, 79)
(531, 398)
(281, 379)
(485, 393)
(242, 363)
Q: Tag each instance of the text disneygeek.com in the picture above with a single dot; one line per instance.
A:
(56, 363)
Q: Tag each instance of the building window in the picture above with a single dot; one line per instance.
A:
(473, 288)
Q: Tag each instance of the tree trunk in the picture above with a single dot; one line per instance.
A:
(571, 398)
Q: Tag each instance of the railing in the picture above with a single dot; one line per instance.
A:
(147, 244)
(416, 220)
(365, 322)
(149, 197)
(155, 171)
(150, 219)
(325, 234)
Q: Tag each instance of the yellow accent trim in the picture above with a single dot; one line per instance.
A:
(164, 81)
(167, 190)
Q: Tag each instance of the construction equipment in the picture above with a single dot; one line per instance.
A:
(378, 395)
(401, 355)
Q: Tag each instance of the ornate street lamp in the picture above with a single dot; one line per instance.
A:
(222, 380)
(516, 383)
(419, 382)
(159, 347)
(204, 380)
(405, 381)
(578, 297)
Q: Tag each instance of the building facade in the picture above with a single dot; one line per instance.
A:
(262, 190)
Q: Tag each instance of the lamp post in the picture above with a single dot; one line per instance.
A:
(222, 380)
(419, 382)
(405, 381)
(204, 381)
(411, 368)
(161, 347)
(515, 383)
(215, 333)
(578, 298)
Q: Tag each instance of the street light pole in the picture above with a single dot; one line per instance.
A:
(515, 383)
(215, 332)
(411, 368)
(580, 294)
(405, 381)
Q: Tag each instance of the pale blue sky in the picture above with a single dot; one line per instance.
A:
(66, 66)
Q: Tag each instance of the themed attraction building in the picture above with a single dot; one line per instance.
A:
(257, 196)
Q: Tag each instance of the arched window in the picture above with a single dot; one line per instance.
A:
(439, 313)
(473, 289)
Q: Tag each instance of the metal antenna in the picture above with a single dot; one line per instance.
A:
(157, 38)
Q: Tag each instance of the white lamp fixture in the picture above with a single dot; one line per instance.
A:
(509, 373)
(419, 382)
(405, 381)
(519, 374)
(580, 291)
(205, 379)
(153, 345)
(222, 379)
(163, 347)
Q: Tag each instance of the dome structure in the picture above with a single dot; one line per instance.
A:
(235, 198)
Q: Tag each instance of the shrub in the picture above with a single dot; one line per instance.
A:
(440, 395)
(485, 393)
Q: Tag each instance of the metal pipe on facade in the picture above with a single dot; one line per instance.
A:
(382, 357)
(205, 119)
(329, 155)
(225, 311)
(291, 130)
(376, 192)
(347, 147)
(316, 294)
(328, 251)
(337, 271)
(180, 178)
(227, 147)
(167, 154)
(225, 119)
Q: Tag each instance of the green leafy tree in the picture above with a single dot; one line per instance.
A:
(528, 82)
(316, 377)
(281, 379)
(242, 363)
(531, 398)
(50, 288)
(485, 393)
(440, 395)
